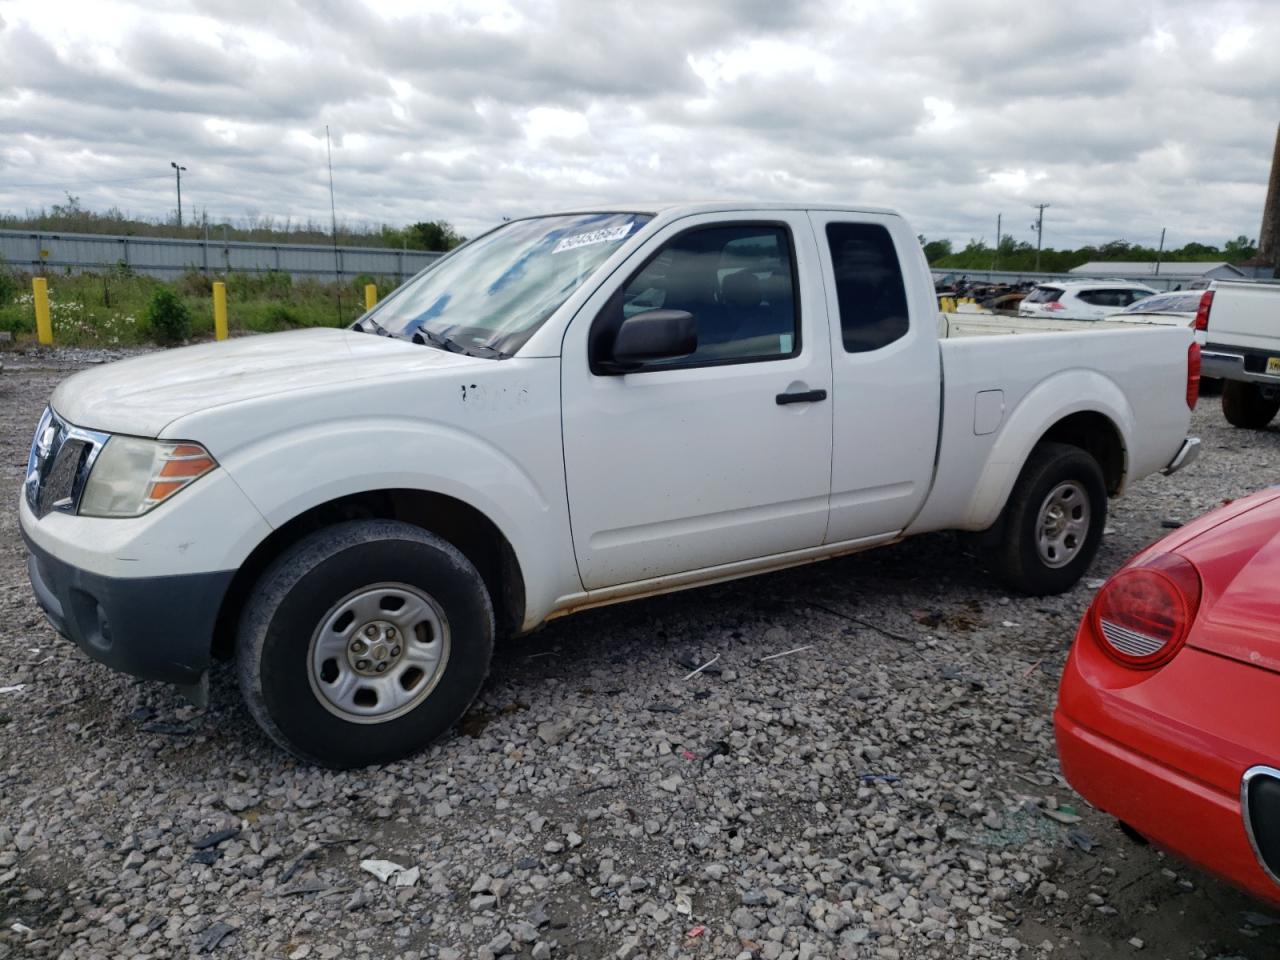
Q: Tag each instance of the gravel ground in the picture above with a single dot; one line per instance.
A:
(878, 793)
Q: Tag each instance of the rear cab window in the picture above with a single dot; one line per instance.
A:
(870, 292)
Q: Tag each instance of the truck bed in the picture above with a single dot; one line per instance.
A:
(951, 325)
(1000, 395)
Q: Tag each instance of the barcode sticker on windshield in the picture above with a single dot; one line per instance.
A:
(605, 235)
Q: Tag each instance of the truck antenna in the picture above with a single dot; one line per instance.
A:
(333, 214)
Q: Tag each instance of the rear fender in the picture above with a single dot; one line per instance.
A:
(1052, 400)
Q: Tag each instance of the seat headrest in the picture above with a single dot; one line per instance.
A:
(742, 290)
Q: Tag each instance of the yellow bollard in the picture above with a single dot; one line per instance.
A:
(220, 311)
(370, 295)
(40, 295)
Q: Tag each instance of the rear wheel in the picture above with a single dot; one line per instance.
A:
(1244, 405)
(364, 643)
(1052, 524)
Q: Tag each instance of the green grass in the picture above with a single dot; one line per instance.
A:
(110, 309)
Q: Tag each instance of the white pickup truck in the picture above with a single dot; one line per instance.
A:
(1242, 324)
(567, 411)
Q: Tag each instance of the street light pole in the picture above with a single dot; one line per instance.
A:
(178, 172)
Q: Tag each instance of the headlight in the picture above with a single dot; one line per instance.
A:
(132, 475)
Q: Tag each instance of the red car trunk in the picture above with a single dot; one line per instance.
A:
(1239, 568)
(1170, 748)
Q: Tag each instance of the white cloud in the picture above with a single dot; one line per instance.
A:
(943, 117)
(553, 123)
(1125, 117)
(1232, 42)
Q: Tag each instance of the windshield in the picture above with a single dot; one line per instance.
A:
(489, 296)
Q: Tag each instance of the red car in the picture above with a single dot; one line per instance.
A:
(1168, 715)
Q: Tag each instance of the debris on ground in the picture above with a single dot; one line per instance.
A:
(384, 870)
(880, 790)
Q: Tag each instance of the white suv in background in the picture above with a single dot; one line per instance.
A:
(1081, 299)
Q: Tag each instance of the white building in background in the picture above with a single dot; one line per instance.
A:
(1169, 270)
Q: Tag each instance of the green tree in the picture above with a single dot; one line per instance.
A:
(1115, 250)
(432, 235)
(1240, 249)
(936, 249)
(64, 211)
(1197, 251)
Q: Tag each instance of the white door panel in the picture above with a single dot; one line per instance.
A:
(672, 470)
(887, 398)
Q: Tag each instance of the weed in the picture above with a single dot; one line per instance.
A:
(168, 318)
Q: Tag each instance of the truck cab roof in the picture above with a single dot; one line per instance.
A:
(669, 209)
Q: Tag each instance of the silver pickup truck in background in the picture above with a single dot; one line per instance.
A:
(1243, 348)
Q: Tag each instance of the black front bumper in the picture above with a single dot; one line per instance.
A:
(157, 628)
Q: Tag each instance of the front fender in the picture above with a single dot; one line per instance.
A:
(1028, 422)
(287, 474)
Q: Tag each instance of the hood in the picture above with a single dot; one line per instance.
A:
(1239, 564)
(141, 396)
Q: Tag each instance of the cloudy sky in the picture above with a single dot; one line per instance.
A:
(1125, 116)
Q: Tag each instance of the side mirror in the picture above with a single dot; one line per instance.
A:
(652, 335)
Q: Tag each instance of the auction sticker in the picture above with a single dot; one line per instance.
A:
(604, 235)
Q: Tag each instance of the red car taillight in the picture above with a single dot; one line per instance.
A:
(1202, 311)
(1193, 375)
(1054, 305)
(1142, 616)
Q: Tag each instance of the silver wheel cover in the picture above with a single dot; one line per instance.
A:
(378, 653)
(1062, 525)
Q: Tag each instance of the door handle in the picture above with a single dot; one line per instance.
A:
(801, 396)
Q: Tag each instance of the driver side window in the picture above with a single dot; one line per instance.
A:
(738, 283)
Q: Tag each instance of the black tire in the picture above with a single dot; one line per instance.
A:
(299, 592)
(1244, 405)
(1016, 558)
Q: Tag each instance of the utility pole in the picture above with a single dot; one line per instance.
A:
(1160, 251)
(333, 212)
(1038, 227)
(178, 173)
(1269, 235)
(995, 259)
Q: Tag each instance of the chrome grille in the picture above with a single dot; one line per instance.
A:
(1130, 642)
(61, 457)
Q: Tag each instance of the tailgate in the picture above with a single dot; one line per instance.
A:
(1246, 315)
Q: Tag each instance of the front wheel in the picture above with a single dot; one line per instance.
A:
(364, 642)
(1052, 524)
(1244, 405)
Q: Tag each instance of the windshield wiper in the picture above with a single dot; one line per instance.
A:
(378, 328)
(424, 336)
(438, 340)
(488, 351)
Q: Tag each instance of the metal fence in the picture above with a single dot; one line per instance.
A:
(38, 252)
